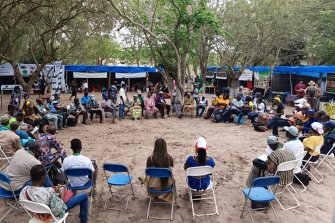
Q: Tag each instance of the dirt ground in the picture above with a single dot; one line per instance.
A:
(233, 148)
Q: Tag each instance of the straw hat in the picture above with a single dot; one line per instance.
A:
(277, 99)
(312, 83)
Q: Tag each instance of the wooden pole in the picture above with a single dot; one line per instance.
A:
(291, 83)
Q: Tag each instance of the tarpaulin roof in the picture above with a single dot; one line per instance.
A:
(114, 69)
(311, 71)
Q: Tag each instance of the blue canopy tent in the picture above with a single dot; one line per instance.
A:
(135, 73)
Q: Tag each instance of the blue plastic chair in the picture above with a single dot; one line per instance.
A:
(259, 193)
(81, 172)
(119, 178)
(5, 194)
(160, 173)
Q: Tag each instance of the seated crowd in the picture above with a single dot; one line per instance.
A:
(27, 135)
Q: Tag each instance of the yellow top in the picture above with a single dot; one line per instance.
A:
(314, 143)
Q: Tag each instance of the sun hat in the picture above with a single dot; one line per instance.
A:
(277, 99)
(311, 83)
(271, 140)
(318, 127)
(292, 130)
(201, 143)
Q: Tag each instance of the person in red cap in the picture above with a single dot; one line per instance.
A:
(200, 159)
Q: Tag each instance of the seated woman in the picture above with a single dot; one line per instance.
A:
(160, 158)
(47, 141)
(188, 102)
(246, 108)
(52, 197)
(269, 166)
(214, 105)
(200, 159)
(136, 108)
(150, 105)
(221, 110)
(29, 110)
(314, 142)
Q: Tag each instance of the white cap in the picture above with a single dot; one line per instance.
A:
(201, 143)
(318, 127)
(292, 130)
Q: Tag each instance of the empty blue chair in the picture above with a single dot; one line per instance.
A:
(5, 194)
(82, 172)
(259, 193)
(120, 177)
(160, 173)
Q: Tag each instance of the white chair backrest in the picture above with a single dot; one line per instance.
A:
(35, 207)
(199, 171)
(286, 166)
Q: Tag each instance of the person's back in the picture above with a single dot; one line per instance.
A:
(19, 168)
(201, 159)
(9, 140)
(77, 161)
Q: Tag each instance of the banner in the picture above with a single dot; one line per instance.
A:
(6, 69)
(246, 75)
(130, 75)
(57, 77)
(27, 69)
(89, 75)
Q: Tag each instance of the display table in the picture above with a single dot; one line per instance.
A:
(329, 108)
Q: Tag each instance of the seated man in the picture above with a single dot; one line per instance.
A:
(200, 159)
(293, 144)
(85, 99)
(161, 104)
(176, 104)
(53, 110)
(58, 105)
(76, 110)
(47, 142)
(259, 108)
(246, 108)
(136, 108)
(329, 138)
(92, 107)
(52, 197)
(9, 140)
(54, 119)
(201, 107)
(215, 100)
(235, 106)
(78, 161)
(188, 103)
(221, 110)
(19, 168)
(269, 165)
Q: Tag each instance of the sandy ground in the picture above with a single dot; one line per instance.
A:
(233, 147)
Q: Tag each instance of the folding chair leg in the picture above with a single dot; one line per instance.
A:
(296, 200)
(274, 212)
(330, 165)
(190, 194)
(10, 209)
(318, 172)
(305, 188)
(245, 204)
(148, 212)
(216, 207)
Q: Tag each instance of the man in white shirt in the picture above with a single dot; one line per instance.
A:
(78, 161)
(121, 101)
(293, 145)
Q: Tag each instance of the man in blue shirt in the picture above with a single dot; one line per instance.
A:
(85, 99)
(53, 110)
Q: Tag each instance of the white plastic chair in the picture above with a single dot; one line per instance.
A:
(298, 169)
(326, 159)
(283, 167)
(197, 172)
(311, 164)
(4, 160)
(39, 208)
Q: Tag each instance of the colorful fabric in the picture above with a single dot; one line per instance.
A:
(47, 142)
(150, 106)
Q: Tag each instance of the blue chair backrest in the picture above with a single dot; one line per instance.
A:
(158, 172)
(118, 168)
(78, 172)
(266, 181)
(4, 178)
